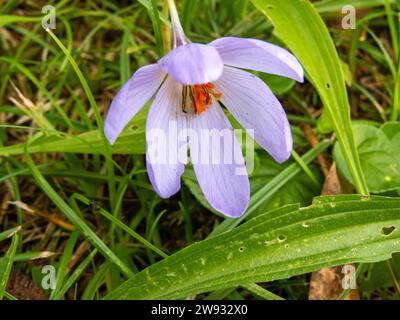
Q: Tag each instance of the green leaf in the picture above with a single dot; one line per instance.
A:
(278, 85)
(9, 233)
(379, 276)
(7, 19)
(391, 129)
(155, 20)
(324, 6)
(298, 189)
(348, 77)
(379, 156)
(75, 275)
(298, 24)
(276, 245)
(131, 141)
(260, 292)
(324, 123)
(95, 282)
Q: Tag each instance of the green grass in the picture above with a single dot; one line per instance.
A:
(56, 87)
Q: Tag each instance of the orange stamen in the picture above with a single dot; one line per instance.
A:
(201, 97)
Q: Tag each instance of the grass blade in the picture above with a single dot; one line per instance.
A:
(99, 120)
(314, 47)
(74, 217)
(6, 263)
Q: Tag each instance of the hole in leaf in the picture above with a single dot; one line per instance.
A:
(387, 230)
(328, 85)
(241, 249)
(281, 238)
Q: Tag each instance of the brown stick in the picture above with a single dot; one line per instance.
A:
(51, 217)
(313, 140)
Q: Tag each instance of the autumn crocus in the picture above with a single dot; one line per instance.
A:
(190, 85)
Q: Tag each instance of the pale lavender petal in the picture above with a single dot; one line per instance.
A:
(218, 162)
(192, 63)
(131, 98)
(258, 55)
(255, 107)
(166, 140)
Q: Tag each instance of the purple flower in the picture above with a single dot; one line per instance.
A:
(189, 83)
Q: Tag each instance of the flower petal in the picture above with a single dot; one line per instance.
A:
(218, 162)
(131, 98)
(192, 63)
(255, 107)
(258, 55)
(166, 140)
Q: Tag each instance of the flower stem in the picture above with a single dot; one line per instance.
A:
(178, 33)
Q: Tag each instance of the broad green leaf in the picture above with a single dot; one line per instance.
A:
(298, 24)
(379, 156)
(391, 129)
(275, 245)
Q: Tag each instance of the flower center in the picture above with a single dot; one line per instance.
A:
(199, 97)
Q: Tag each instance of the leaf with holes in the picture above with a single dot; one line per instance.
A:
(279, 244)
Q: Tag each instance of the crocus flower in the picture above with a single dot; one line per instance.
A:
(189, 84)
